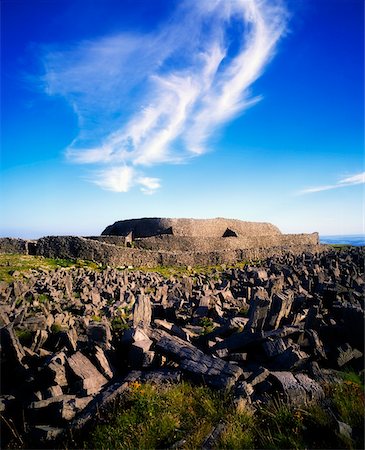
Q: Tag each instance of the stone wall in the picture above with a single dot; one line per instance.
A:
(72, 247)
(173, 243)
(14, 245)
(154, 226)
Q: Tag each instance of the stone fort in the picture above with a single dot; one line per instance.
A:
(150, 242)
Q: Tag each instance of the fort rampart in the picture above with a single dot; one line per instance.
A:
(154, 241)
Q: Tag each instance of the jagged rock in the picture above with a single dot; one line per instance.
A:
(55, 372)
(345, 354)
(259, 308)
(90, 379)
(11, 349)
(56, 409)
(101, 401)
(39, 339)
(274, 347)
(297, 389)
(258, 376)
(102, 363)
(139, 354)
(142, 312)
(99, 334)
(35, 323)
(280, 308)
(215, 371)
(289, 359)
(172, 328)
(45, 433)
(53, 391)
(5, 402)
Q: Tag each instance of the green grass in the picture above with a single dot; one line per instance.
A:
(207, 324)
(10, 263)
(156, 417)
(180, 271)
(152, 417)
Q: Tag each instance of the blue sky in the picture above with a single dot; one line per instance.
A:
(247, 109)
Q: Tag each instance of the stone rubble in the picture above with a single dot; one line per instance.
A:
(72, 340)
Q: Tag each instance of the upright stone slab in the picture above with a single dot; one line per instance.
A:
(259, 307)
(142, 312)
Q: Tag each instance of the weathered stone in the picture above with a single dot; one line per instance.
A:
(101, 401)
(139, 355)
(53, 391)
(142, 312)
(45, 433)
(90, 378)
(172, 328)
(99, 334)
(55, 372)
(273, 348)
(289, 359)
(35, 323)
(5, 402)
(102, 363)
(345, 354)
(298, 389)
(39, 339)
(11, 349)
(259, 308)
(56, 409)
(215, 371)
(344, 429)
(280, 308)
(258, 376)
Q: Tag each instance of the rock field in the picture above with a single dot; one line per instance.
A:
(72, 340)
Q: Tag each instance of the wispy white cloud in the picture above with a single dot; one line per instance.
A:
(148, 99)
(358, 178)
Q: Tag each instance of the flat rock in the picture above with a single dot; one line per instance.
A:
(216, 372)
(83, 370)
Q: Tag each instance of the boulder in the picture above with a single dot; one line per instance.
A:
(89, 378)
(215, 372)
(297, 389)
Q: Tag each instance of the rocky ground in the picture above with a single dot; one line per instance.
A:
(73, 340)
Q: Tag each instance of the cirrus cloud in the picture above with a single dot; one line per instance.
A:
(352, 180)
(149, 99)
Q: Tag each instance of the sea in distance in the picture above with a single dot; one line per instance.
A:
(347, 239)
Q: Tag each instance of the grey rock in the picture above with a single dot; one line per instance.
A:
(345, 354)
(280, 308)
(91, 380)
(55, 372)
(142, 312)
(298, 389)
(56, 409)
(273, 348)
(258, 376)
(216, 372)
(103, 364)
(99, 334)
(259, 308)
(46, 433)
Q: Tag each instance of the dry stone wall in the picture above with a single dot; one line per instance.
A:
(172, 243)
(73, 247)
(154, 226)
